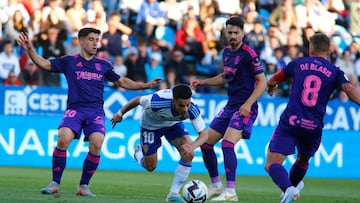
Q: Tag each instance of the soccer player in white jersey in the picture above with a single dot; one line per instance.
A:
(163, 114)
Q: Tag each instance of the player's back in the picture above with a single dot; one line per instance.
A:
(160, 113)
(314, 80)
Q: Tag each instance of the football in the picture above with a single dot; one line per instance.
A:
(195, 191)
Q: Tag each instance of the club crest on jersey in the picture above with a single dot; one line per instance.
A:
(98, 66)
(146, 148)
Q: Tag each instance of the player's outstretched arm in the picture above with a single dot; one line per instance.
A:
(133, 85)
(26, 43)
(273, 82)
(201, 139)
(214, 81)
(118, 117)
(352, 92)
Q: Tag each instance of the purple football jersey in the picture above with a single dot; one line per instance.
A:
(240, 69)
(314, 80)
(85, 79)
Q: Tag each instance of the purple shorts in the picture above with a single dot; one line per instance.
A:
(230, 117)
(286, 138)
(151, 139)
(89, 120)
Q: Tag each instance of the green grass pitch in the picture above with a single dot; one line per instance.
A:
(24, 184)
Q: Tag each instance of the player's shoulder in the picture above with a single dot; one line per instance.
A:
(246, 49)
(164, 94)
(102, 61)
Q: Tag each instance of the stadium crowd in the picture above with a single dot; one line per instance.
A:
(177, 40)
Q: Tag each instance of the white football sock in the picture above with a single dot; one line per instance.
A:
(180, 176)
(139, 157)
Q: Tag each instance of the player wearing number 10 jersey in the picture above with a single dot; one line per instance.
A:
(314, 80)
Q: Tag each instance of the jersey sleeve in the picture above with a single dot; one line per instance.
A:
(256, 64)
(198, 124)
(196, 118)
(60, 64)
(110, 74)
(145, 101)
(341, 77)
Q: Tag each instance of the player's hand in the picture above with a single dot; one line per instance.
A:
(153, 82)
(115, 119)
(196, 83)
(271, 90)
(186, 148)
(245, 110)
(24, 41)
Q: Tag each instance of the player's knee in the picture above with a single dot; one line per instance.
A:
(188, 157)
(267, 167)
(63, 143)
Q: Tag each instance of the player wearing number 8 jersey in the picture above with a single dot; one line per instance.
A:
(300, 126)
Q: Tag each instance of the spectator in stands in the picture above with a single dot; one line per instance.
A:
(229, 7)
(76, 15)
(52, 47)
(354, 50)
(191, 39)
(170, 77)
(314, 14)
(35, 22)
(357, 68)
(256, 37)
(129, 10)
(291, 53)
(354, 24)
(154, 69)
(15, 26)
(74, 46)
(176, 64)
(113, 38)
(16, 5)
(12, 79)
(8, 61)
(334, 51)
(149, 17)
(279, 55)
(53, 6)
(96, 15)
(208, 9)
(271, 43)
(135, 64)
(119, 68)
(274, 32)
(250, 16)
(190, 8)
(211, 32)
(30, 75)
(172, 13)
(154, 47)
(347, 65)
(307, 32)
(53, 20)
(284, 16)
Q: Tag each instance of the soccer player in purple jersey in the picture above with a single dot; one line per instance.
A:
(85, 76)
(163, 115)
(246, 83)
(301, 123)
